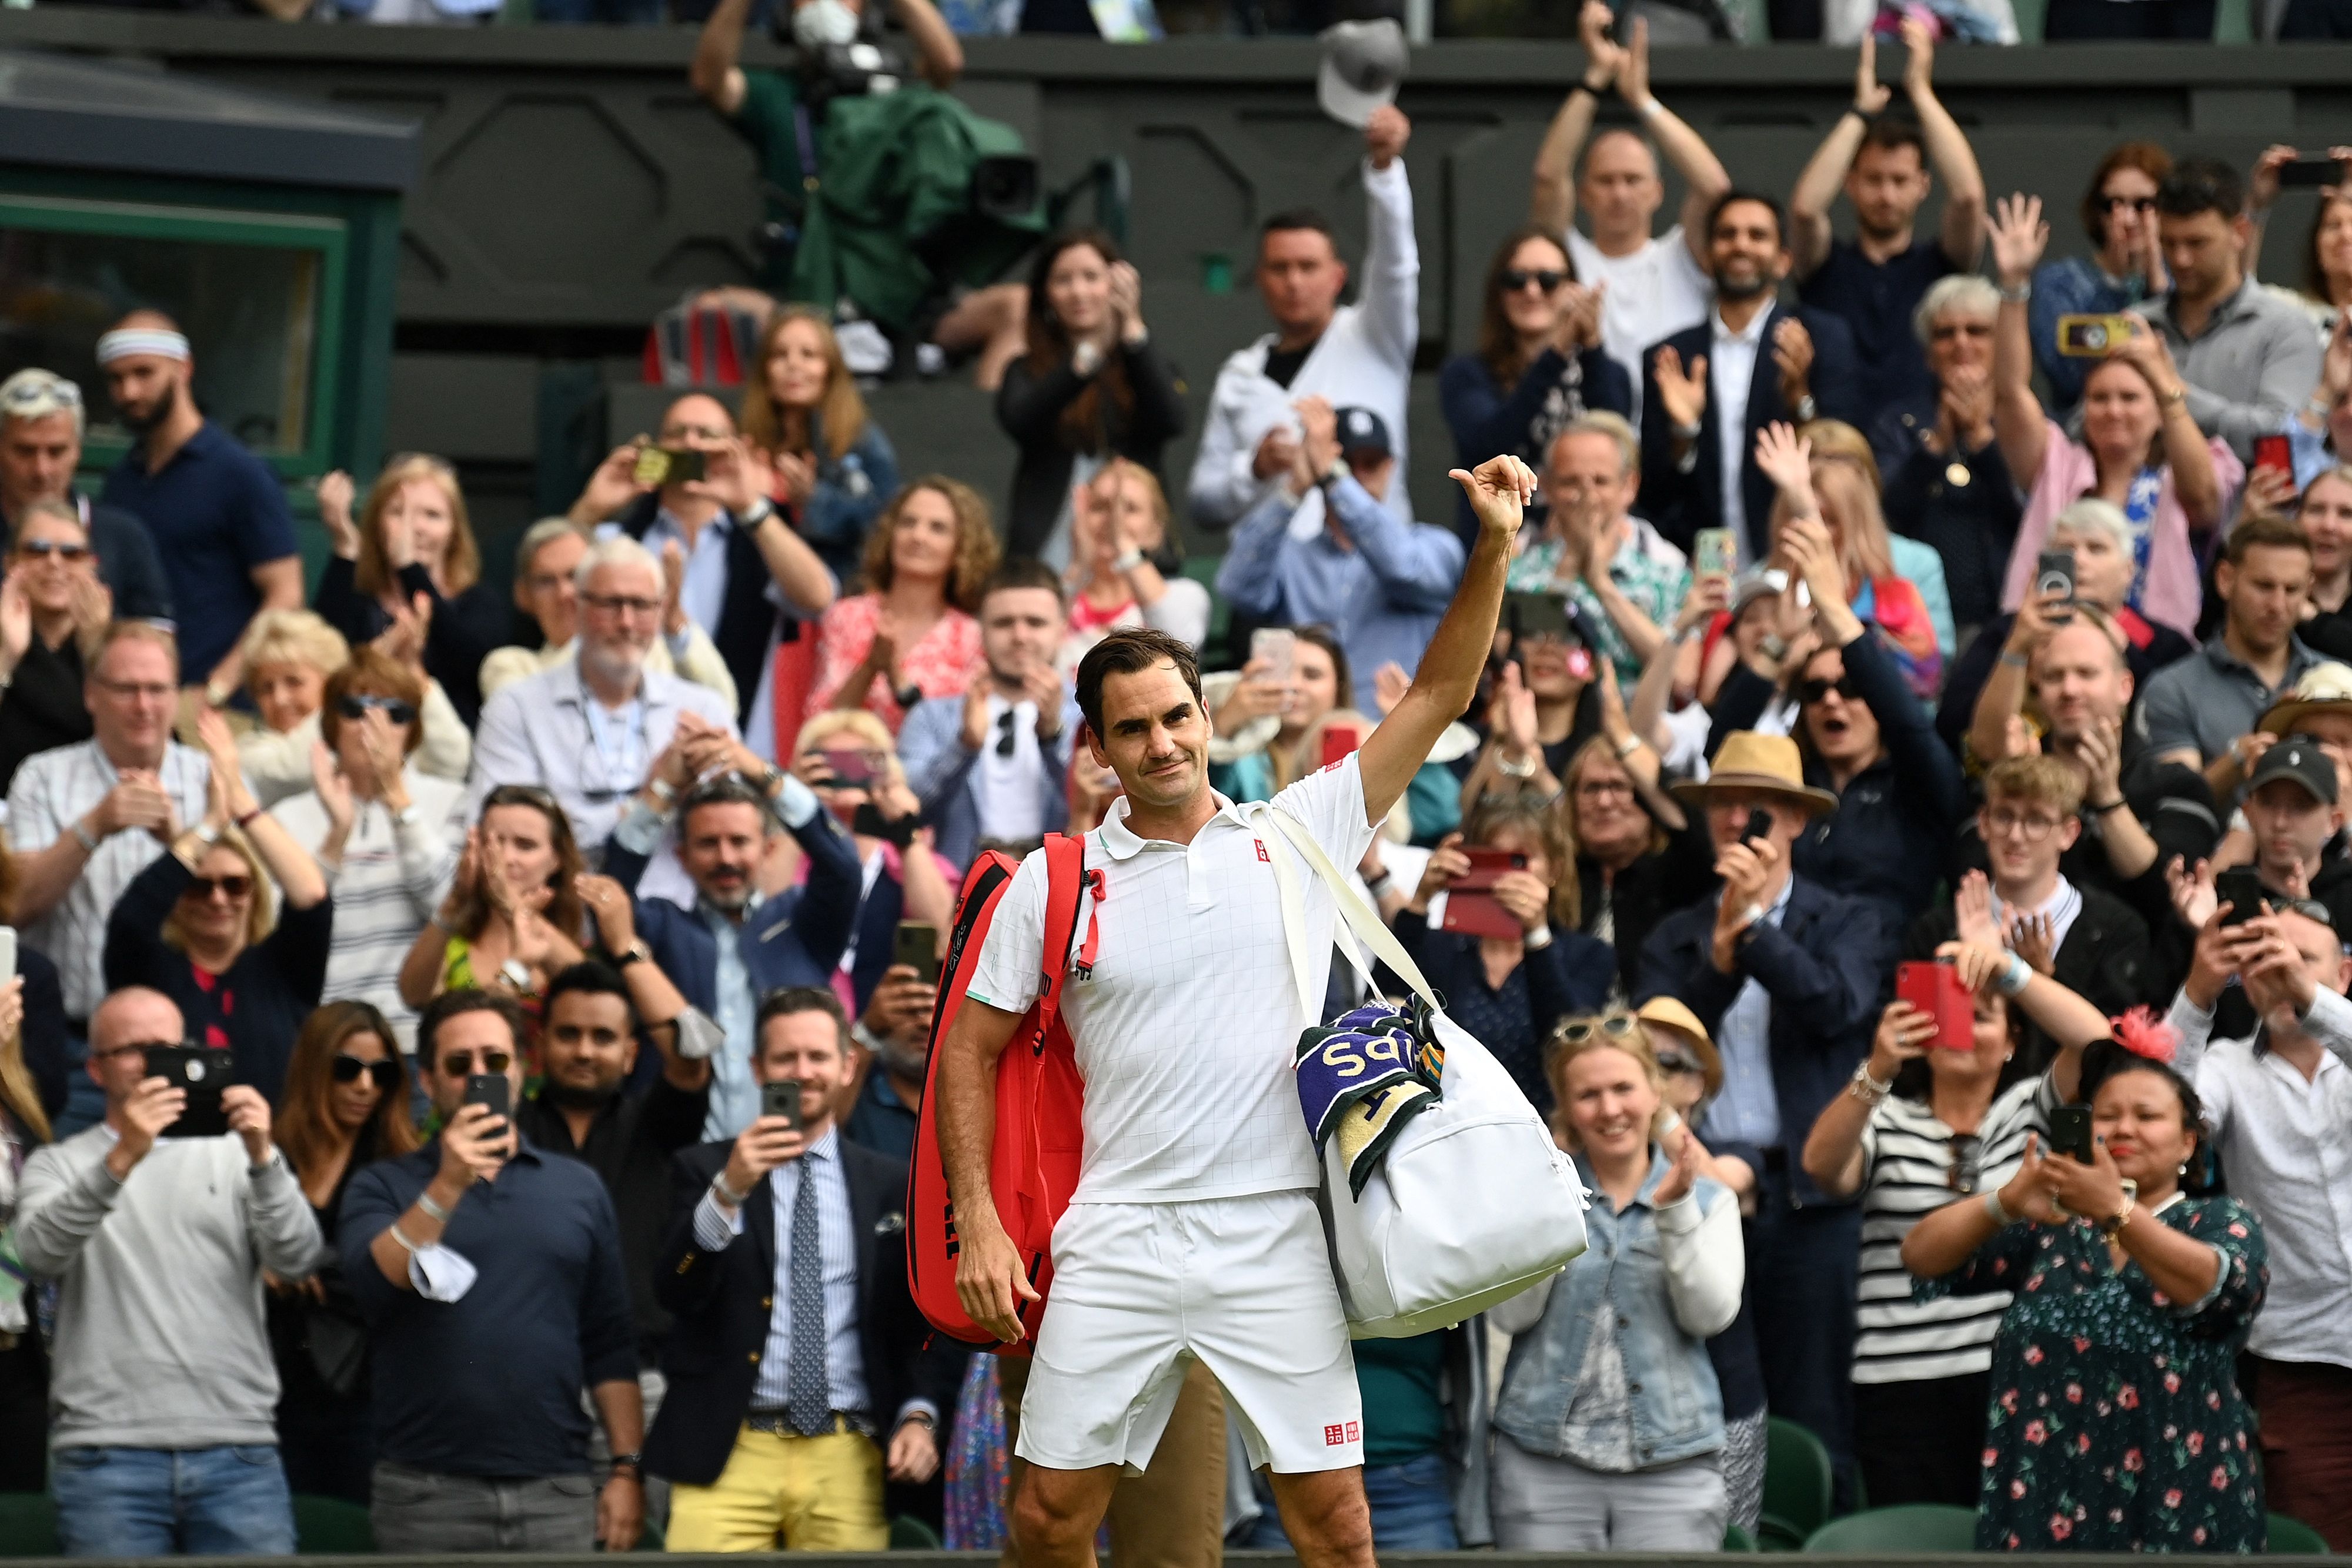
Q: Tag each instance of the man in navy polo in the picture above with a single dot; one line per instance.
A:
(217, 514)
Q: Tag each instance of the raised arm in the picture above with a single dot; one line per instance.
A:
(1447, 681)
(296, 873)
(1833, 1153)
(717, 72)
(2186, 448)
(1551, 202)
(1817, 187)
(2019, 238)
(1948, 152)
(1390, 285)
(1704, 178)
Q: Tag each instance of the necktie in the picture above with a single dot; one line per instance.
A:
(810, 1404)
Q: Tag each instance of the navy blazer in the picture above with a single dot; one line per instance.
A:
(721, 1304)
(1827, 968)
(1680, 504)
(796, 937)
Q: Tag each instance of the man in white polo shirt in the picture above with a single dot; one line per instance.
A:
(1193, 1232)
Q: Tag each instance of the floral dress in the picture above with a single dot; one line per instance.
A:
(941, 665)
(2115, 1423)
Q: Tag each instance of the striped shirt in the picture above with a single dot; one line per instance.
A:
(1907, 1153)
(51, 792)
(392, 876)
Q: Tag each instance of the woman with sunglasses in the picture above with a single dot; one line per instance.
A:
(346, 1106)
(199, 925)
(1930, 1121)
(290, 656)
(1613, 1440)
(409, 571)
(514, 914)
(2126, 264)
(1538, 365)
(378, 825)
(52, 606)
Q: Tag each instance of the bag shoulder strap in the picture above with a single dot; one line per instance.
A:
(1067, 882)
(1361, 919)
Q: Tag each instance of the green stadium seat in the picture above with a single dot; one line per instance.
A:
(909, 1533)
(330, 1526)
(28, 1525)
(1910, 1527)
(1737, 1540)
(2291, 1537)
(1796, 1487)
(650, 1539)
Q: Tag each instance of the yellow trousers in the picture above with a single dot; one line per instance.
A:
(817, 1494)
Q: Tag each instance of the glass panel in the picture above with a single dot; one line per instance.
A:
(250, 313)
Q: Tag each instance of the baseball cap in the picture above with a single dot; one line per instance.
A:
(2299, 757)
(1362, 430)
(1362, 64)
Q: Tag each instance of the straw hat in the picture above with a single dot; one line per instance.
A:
(2326, 686)
(1668, 1013)
(1760, 764)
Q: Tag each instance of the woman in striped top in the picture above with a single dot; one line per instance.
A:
(1929, 1122)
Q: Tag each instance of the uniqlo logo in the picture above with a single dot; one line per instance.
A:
(1331, 1437)
(1261, 851)
(1355, 1432)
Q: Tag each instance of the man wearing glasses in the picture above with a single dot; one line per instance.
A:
(163, 1394)
(491, 1277)
(41, 421)
(589, 731)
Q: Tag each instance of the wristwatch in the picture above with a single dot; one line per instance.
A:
(629, 1462)
(1129, 562)
(1805, 409)
(1334, 474)
(515, 974)
(636, 952)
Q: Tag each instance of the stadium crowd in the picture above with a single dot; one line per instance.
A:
(1899, 844)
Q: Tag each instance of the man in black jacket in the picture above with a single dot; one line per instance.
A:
(797, 1350)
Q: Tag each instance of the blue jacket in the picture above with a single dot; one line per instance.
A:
(849, 494)
(1827, 968)
(1620, 1281)
(946, 777)
(1678, 503)
(1382, 597)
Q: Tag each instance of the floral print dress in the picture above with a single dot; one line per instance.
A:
(2115, 1423)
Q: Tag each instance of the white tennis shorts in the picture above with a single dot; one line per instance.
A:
(1241, 1284)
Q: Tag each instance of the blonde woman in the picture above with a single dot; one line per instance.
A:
(200, 926)
(1614, 1441)
(290, 655)
(834, 464)
(409, 573)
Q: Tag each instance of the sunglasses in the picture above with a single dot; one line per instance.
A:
(354, 705)
(1810, 692)
(37, 548)
(460, 1063)
(385, 1072)
(1676, 1061)
(1613, 1026)
(1004, 733)
(2137, 204)
(1967, 1163)
(232, 887)
(1545, 278)
(55, 391)
(138, 1047)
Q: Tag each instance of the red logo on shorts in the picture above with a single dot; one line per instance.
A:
(1355, 1432)
(1261, 851)
(1331, 1438)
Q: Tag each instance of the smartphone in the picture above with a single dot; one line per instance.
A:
(918, 948)
(1530, 615)
(2310, 174)
(849, 767)
(1715, 552)
(782, 1097)
(2093, 337)
(204, 1073)
(491, 1089)
(2070, 1132)
(2054, 572)
(1471, 906)
(1758, 828)
(2241, 887)
(1277, 645)
(7, 953)
(2274, 452)
(1339, 742)
(1935, 988)
(660, 465)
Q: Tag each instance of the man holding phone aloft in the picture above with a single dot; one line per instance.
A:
(1786, 977)
(155, 1239)
(794, 1336)
(490, 1274)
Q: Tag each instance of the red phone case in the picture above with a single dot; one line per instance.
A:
(1470, 904)
(1935, 988)
(1338, 741)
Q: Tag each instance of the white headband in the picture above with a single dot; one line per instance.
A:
(124, 341)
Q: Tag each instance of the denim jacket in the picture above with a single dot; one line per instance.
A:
(1622, 1279)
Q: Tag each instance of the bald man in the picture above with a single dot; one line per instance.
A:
(217, 514)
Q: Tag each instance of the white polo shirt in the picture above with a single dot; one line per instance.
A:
(1186, 1030)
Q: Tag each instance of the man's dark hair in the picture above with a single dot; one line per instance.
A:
(589, 977)
(2264, 533)
(1130, 651)
(1296, 218)
(1891, 133)
(1733, 197)
(1023, 572)
(785, 1001)
(2203, 185)
(726, 789)
(455, 1004)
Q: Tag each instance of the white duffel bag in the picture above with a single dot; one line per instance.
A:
(1473, 1202)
